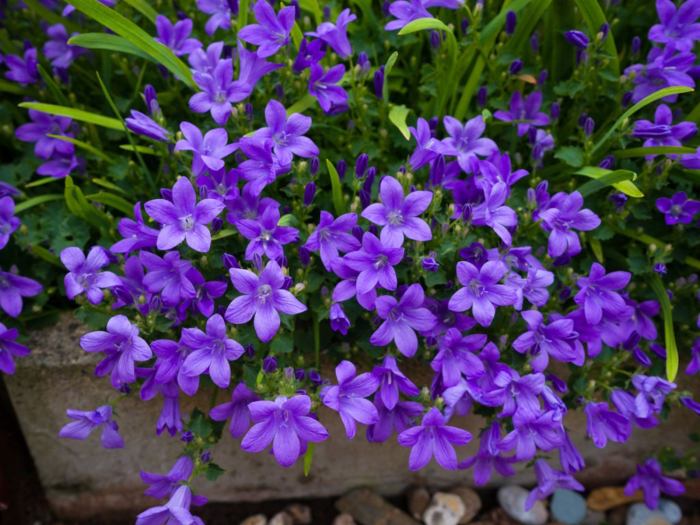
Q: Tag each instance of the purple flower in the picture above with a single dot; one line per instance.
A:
(662, 132)
(693, 366)
(541, 143)
(136, 235)
(205, 62)
(208, 151)
(433, 438)
(263, 298)
(348, 397)
(236, 410)
(212, 351)
(336, 35)
(286, 424)
(391, 382)
(9, 349)
(12, 288)
(333, 236)
(396, 419)
(603, 424)
(375, 261)
(488, 457)
(526, 113)
(122, 347)
(8, 222)
(561, 217)
(38, 131)
(272, 30)
(266, 236)
(323, 85)
(426, 144)
(597, 294)
(184, 219)
(650, 479)
(679, 209)
(175, 36)
(678, 28)
(494, 214)
(220, 11)
(664, 68)
(84, 273)
(87, 421)
(57, 49)
(401, 319)
(456, 356)
(169, 277)
(175, 512)
(398, 216)
(23, 70)
(142, 124)
(465, 142)
(164, 485)
(309, 53)
(542, 432)
(577, 38)
(339, 320)
(287, 133)
(652, 393)
(557, 339)
(480, 291)
(549, 480)
(406, 11)
(219, 92)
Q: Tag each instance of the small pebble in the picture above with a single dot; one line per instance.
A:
(512, 500)
(257, 519)
(418, 501)
(343, 519)
(301, 514)
(568, 507)
(444, 509)
(640, 514)
(593, 517)
(671, 510)
(281, 518)
(471, 500)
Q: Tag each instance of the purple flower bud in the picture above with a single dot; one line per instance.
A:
(149, 94)
(365, 198)
(619, 200)
(430, 264)
(369, 179)
(248, 108)
(187, 437)
(363, 62)
(315, 377)
(626, 99)
(326, 13)
(297, 9)
(604, 30)
(249, 351)
(205, 456)
(269, 364)
(511, 20)
(464, 26)
(582, 118)
(565, 293)
(607, 162)
(216, 224)
(543, 76)
(554, 110)
(385, 8)
(357, 232)
(230, 261)
(167, 194)
(660, 268)
(577, 38)
(636, 46)
(313, 166)
(361, 165)
(475, 253)
(379, 82)
(309, 192)
(435, 39)
(535, 42)
(304, 256)
(481, 95)
(279, 91)
(515, 66)
(288, 281)
(437, 171)
(300, 374)
(588, 126)
(341, 167)
(433, 123)
(289, 373)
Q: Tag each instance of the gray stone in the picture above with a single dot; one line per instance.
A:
(281, 518)
(512, 500)
(671, 510)
(418, 500)
(444, 509)
(471, 500)
(568, 507)
(640, 514)
(257, 519)
(343, 519)
(593, 517)
(301, 514)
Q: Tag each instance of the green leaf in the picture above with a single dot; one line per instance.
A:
(75, 114)
(527, 21)
(45, 254)
(571, 155)
(244, 9)
(302, 104)
(52, 86)
(200, 424)
(36, 201)
(213, 472)
(336, 188)
(595, 18)
(125, 28)
(47, 15)
(308, 458)
(144, 8)
(138, 148)
(79, 206)
(10, 87)
(609, 179)
(310, 6)
(654, 150)
(387, 71)
(108, 42)
(297, 36)
(282, 344)
(669, 333)
(626, 186)
(422, 24)
(108, 184)
(674, 90)
(397, 116)
(41, 182)
(115, 201)
(597, 248)
(83, 145)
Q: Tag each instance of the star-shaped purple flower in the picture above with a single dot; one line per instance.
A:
(333, 236)
(324, 86)
(266, 236)
(549, 480)
(13, 288)
(176, 36)
(375, 261)
(466, 142)
(272, 30)
(650, 479)
(84, 273)
(598, 293)
(8, 222)
(678, 209)
(287, 133)
(678, 27)
(208, 151)
(10, 349)
(336, 34)
(562, 216)
(556, 339)
(525, 113)
(236, 410)
(168, 276)
(87, 421)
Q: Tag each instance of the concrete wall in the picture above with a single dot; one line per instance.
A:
(82, 479)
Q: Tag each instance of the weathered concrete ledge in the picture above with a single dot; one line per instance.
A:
(82, 479)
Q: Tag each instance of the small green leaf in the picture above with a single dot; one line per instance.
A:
(138, 148)
(36, 201)
(107, 184)
(115, 201)
(308, 458)
(609, 179)
(387, 71)
(10, 87)
(144, 8)
(597, 248)
(108, 42)
(79, 206)
(630, 153)
(397, 116)
(83, 145)
(75, 114)
(302, 104)
(213, 472)
(312, 7)
(45, 254)
(282, 344)
(571, 155)
(297, 36)
(669, 333)
(626, 186)
(422, 24)
(336, 188)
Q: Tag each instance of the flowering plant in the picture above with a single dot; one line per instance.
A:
(480, 190)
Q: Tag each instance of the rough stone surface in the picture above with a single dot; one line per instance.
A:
(444, 509)
(257, 519)
(512, 500)
(281, 518)
(568, 507)
(301, 514)
(670, 510)
(640, 514)
(593, 517)
(81, 479)
(471, 500)
(343, 519)
(418, 500)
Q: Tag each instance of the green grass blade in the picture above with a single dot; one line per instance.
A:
(108, 42)
(36, 201)
(387, 71)
(595, 18)
(336, 189)
(423, 24)
(609, 179)
(83, 145)
(669, 333)
(630, 153)
(144, 8)
(626, 186)
(397, 116)
(75, 114)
